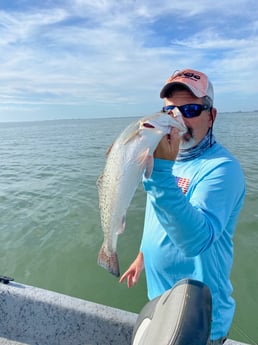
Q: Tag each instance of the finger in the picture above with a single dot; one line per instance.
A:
(136, 277)
(162, 147)
(174, 139)
(129, 281)
(174, 132)
(121, 280)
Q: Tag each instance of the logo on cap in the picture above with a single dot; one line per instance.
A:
(189, 75)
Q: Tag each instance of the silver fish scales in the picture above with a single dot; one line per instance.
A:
(130, 156)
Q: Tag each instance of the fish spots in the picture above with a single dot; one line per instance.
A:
(109, 261)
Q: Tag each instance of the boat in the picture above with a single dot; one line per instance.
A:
(35, 316)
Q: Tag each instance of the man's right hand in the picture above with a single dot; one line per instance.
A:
(134, 271)
(168, 146)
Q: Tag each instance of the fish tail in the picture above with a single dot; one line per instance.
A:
(109, 261)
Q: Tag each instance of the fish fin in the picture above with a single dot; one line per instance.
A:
(109, 261)
(109, 149)
(143, 156)
(99, 182)
(149, 166)
(122, 227)
(145, 159)
(131, 136)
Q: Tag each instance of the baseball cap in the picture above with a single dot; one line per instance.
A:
(197, 82)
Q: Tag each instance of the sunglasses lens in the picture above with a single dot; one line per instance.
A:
(168, 107)
(187, 110)
(191, 110)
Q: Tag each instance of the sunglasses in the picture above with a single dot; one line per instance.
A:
(188, 110)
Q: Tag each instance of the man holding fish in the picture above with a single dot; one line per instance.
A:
(195, 192)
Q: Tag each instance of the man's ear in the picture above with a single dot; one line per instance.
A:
(213, 114)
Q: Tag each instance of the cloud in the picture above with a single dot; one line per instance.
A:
(84, 53)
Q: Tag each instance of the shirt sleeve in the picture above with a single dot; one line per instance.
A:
(194, 222)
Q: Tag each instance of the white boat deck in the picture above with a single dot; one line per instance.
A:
(10, 342)
(34, 316)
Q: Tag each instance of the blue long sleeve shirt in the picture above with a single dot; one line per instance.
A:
(191, 213)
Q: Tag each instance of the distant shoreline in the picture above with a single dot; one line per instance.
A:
(103, 118)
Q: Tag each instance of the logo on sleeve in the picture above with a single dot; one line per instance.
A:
(183, 183)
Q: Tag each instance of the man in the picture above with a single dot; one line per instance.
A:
(194, 197)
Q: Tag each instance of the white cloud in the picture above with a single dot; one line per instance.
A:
(84, 52)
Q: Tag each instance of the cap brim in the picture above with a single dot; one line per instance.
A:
(169, 86)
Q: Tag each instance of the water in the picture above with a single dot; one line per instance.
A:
(49, 220)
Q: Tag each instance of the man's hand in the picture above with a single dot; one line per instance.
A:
(134, 271)
(168, 146)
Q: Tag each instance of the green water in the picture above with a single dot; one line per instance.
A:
(50, 229)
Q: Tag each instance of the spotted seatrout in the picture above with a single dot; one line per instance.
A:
(130, 156)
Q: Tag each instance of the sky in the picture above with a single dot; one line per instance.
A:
(71, 59)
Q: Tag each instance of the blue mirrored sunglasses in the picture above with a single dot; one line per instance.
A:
(188, 110)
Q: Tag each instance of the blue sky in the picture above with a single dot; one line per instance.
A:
(108, 58)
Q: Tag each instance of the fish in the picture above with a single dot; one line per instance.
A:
(128, 159)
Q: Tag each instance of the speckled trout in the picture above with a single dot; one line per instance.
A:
(129, 157)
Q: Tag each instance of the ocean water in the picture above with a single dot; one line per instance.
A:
(49, 220)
